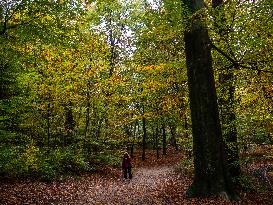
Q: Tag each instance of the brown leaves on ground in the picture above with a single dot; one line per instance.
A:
(154, 182)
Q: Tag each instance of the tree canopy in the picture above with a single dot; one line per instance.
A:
(83, 81)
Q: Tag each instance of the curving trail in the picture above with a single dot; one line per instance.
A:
(154, 182)
(148, 186)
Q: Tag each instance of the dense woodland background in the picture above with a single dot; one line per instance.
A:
(83, 81)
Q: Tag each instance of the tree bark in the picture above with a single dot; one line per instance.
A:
(144, 138)
(164, 139)
(69, 122)
(174, 135)
(156, 141)
(211, 176)
(48, 124)
(88, 106)
(134, 136)
(226, 102)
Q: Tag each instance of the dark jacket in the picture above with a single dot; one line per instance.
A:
(126, 163)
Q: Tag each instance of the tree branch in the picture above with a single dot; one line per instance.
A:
(254, 68)
(237, 64)
(234, 62)
(9, 14)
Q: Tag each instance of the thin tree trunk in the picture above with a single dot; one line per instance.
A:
(98, 130)
(144, 138)
(153, 137)
(156, 141)
(48, 124)
(133, 142)
(112, 56)
(226, 102)
(112, 53)
(88, 104)
(211, 176)
(78, 120)
(164, 139)
(69, 122)
(128, 132)
(173, 139)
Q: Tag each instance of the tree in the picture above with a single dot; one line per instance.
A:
(159, 60)
(226, 100)
(23, 25)
(164, 139)
(241, 58)
(211, 176)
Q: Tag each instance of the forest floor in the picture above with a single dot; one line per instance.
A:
(155, 182)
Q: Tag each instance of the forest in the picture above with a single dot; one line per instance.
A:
(184, 86)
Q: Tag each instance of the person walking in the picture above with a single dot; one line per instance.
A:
(127, 166)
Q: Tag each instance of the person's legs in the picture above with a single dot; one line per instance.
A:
(130, 172)
(125, 173)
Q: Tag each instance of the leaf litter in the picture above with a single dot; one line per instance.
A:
(155, 182)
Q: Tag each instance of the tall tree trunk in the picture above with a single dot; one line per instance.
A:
(98, 128)
(48, 124)
(128, 132)
(153, 137)
(111, 38)
(156, 142)
(69, 122)
(164, 139)
(134, 136)
(78, 117)
(226, 102)
(112, 53)
(211, 176)
(88, 104)
(144, 138)
(173, 138)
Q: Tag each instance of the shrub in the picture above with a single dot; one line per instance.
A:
(186, 167)
(246, 182)
(11, 164)
(107, 158)
(31, 161)
(47, 171)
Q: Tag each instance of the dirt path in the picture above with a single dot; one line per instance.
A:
(146, 182)
(147, 187)
(154, 182)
